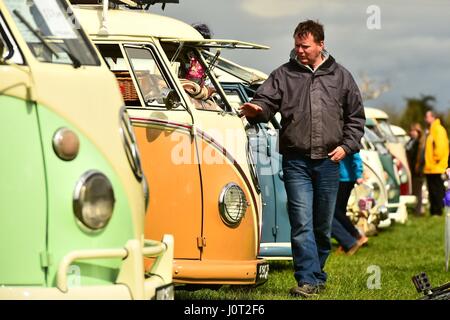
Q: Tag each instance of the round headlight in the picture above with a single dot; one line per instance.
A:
(232, 204)
(392, 193)
(376, 191)
(93, 200)
(403, 177)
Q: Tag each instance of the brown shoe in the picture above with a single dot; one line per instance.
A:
(340, 250)
(305, 291)
(354, 248)
(363, 240)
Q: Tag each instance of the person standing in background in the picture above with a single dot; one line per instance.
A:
(415, 148)
(436, 161)
(342, 229)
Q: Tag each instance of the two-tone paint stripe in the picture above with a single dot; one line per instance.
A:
(211, 141)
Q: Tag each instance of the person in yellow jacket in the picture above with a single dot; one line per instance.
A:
(436, 162)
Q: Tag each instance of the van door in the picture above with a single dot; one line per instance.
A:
(282, 230)
(168, 151)
(23, 187)
(263, 139)
(260, 149)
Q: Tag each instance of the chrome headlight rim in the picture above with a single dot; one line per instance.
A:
(146, 190)
(227, 219)
(130, 144)
(57, 143)
(78, 201)
(392, 194)
(376, 190)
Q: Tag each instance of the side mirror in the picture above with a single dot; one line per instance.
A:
(251, 129)
(281, 175)
(171, 99)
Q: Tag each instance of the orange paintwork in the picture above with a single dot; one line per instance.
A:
(175, 191)
(214, 271)
(223, 242)
(229, 256)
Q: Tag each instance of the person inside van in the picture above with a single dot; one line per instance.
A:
(152, 86)
(203, 29)
(196, 82)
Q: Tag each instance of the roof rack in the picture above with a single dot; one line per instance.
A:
(108, 4)
(132, 4)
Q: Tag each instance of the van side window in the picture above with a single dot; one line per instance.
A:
(9, 47)
(4, 48)
(234, 98)
(195, 79)
(386, 130)
(116, 62)
(150, 80)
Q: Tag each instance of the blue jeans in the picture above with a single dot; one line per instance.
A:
(311, 187)
(345, 239)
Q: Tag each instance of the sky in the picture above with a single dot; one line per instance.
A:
(405, 43)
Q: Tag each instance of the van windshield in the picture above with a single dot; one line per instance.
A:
(233, 69)
(378, 142)
(51, 32)
(387, 131)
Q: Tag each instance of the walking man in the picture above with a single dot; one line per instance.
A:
(322, 122)
(436, 162)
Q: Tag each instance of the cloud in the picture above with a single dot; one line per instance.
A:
(273, 9)
(409, 50)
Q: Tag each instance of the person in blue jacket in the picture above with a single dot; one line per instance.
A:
(342, 229)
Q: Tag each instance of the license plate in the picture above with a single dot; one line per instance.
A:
(166, 292)
(262, 274)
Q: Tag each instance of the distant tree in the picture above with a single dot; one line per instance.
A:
(415, 110)
(370, 89)
(394, 114)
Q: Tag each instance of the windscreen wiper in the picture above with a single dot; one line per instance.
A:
(76, 63)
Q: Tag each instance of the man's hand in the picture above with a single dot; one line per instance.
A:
(359, 181)
(337, 154)
(250, 110)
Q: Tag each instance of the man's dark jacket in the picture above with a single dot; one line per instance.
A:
(320, 111)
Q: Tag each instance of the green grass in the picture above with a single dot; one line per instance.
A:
(400, 252)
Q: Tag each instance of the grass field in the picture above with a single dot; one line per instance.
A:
(399, 252)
